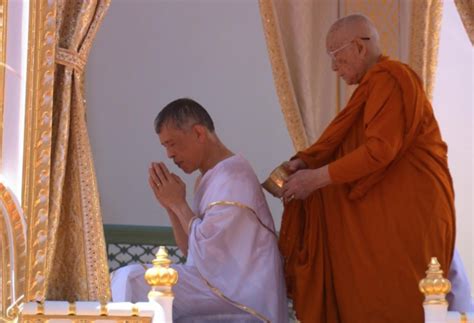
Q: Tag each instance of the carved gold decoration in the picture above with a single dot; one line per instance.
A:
(13, 254)
(37, 141)
(40, 308)
(71, 309)
(13, 311)
(103, 309)
(434, 286)
(161, 277)
(3, 46)
(135, 310)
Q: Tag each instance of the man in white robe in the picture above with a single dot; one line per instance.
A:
(233, 268)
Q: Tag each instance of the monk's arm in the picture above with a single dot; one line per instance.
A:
(384, 124)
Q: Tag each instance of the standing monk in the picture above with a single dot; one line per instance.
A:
(371, 201)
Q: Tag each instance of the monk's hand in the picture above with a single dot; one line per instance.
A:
(168, 188)
(304, 182)
(294, 165)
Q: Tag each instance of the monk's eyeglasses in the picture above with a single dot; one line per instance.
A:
(332, 53)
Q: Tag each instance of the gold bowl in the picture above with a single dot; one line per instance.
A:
(275, 181)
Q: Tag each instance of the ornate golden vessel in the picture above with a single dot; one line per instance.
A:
(275, 181)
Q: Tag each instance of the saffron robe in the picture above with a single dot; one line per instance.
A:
(355, 250)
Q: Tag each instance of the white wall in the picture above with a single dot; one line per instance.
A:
(453, 103)
(148, 53)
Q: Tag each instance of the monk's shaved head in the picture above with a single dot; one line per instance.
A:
(355, 26)
(353, 44)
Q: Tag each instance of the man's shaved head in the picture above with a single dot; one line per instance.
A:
(353, 44)
(353, 26)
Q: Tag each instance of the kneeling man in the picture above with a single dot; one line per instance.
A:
(233, 264)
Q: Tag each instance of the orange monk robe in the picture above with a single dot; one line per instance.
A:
(356, 250)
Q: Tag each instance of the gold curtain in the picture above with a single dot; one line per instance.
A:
(295, 33)
(386, 16)
(424, 41)
(466, 11)
(76, 261)
(309, 93)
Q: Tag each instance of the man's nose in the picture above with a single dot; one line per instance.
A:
(170, 153)
(333, 65)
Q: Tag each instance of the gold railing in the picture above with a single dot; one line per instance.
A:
(161, 278)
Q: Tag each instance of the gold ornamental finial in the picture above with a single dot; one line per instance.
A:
(434, 286)
(161, 277)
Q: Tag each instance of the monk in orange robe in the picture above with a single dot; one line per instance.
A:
(371, 201)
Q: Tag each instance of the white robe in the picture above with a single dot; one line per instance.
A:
(459, 299)
(233, 264)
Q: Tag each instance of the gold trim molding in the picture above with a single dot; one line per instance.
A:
(3, 56)
(12, 253)
(84, 318)
(87, 312)
(37, 149)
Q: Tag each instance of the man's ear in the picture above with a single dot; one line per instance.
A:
(361, 47)
(200, 131)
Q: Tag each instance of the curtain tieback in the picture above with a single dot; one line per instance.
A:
(70, 58)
